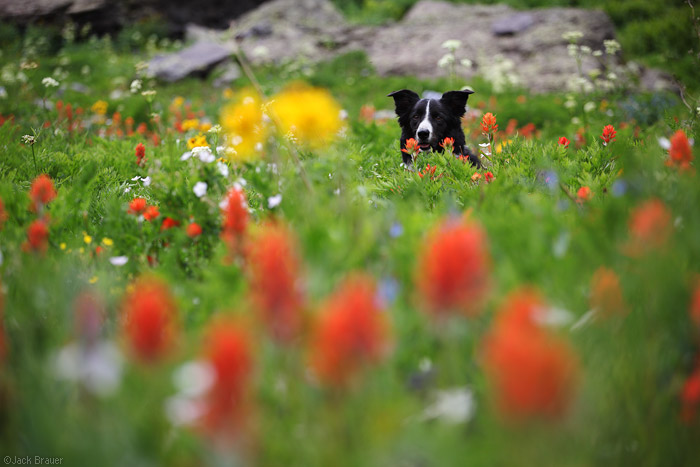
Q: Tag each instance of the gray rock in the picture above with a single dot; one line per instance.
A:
(227, 72)
(198, 58)
(513, 24)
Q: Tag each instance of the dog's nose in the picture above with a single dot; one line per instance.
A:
(423, 134)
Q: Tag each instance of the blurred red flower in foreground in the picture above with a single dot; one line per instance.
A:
(193, 230)
(606, 294)
(680, 152)
(235, 212)
(169, 223)
(37, 237)
(532, 372)
(584, 194)
(608, 135)
(227, 349)
(149, 313)
(650, 226)
(273, 265)
(351, 332)
(137, 206)
(151, 213)
(3, 214)
(453, 268)
(690, 396)
(488, 123)
(42, 191)
(140, 153)
(564, 141)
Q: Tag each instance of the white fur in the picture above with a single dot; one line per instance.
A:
(425, 124)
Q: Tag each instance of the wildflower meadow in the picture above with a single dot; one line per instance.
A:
(248, 274)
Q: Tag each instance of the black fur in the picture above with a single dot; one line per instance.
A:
(445, 119)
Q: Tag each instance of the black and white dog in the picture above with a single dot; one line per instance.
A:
(430, 121)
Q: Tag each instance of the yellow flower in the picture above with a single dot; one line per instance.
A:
(107, 241)
(228, 93)
(502, 145)
(309, 115)
(87, 239)
(242, 122)
(99, 107)
(178, 101)
(204, 127)
(62, 246)
(93, 279)
(190, 124)
(197, 141)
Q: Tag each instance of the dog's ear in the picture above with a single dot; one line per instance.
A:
(456, 101)
(404, 100)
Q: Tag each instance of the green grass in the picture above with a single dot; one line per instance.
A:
(365, 213)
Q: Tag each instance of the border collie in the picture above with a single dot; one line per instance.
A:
(430, 121)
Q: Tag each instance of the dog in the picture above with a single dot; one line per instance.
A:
(430, 121)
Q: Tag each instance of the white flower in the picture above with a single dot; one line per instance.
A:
(446, 60)
(135, 86)
(485, 148)
(453, 406)
(193, 378)
(589, 107)
(223, 169)
(572, 36)
(451, 44)
(553, 317)
(49, 82)
(200, 189)
(118, 260)
(466, 63)
(572, 50)
(149, 93)
(204, 154)
(97, 367)
(274, 201)
(146, 181)
(664, 143)
(611, 46)
(215, 130)
(186, 156)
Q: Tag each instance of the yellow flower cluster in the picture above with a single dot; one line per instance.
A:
(190, 124)
(308, 115)
(99, 107)
(242, 121)
(197, 141)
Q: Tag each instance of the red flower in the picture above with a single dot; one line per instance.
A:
(476, 177)
(235, 212)
(137, 206)
(351, 332)
(168, 223)
(3, 214)
(151, 213)
(453, 269)
(532, 372)
(608, 135)
(274, 281)
(690, 396)
(606, 293)
(37, 237)
(42, 191)
(140, 152)
(650, 226)
(488, 123)
(680, 152)
(584, 194)
(428, 171)
(448, 144)
(149, 312)
(488, 176)
(564, 141)
(412, 147)
(227, 349)
(193, 230)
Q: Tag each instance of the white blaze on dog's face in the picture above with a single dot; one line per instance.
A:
(427, 122)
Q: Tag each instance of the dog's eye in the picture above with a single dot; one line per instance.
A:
(438, 118)
(415, 117)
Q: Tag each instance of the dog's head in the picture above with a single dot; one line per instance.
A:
(429, 121)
